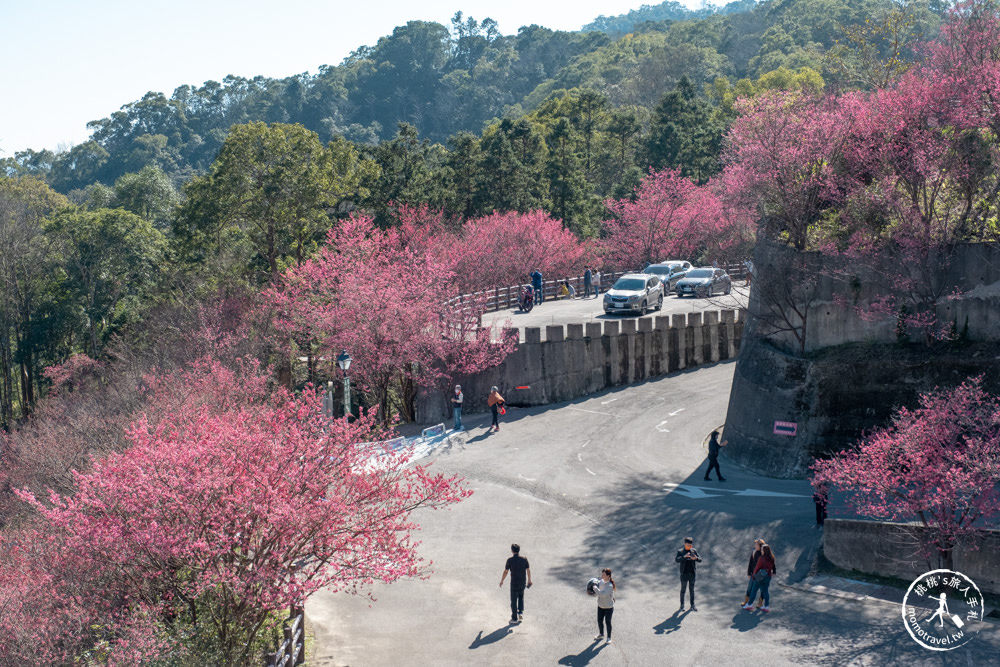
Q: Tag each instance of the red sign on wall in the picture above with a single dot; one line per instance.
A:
(785, 428)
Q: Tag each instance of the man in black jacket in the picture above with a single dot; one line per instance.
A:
(687, 557)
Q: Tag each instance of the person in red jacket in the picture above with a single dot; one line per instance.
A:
(762, 573)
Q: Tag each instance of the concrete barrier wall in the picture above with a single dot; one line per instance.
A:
(892, 550)
(579, 359)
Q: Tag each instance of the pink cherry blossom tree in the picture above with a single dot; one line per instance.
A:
(391, 305)
(496, 250)
(669, 217)
(938, 464)
(230, 503)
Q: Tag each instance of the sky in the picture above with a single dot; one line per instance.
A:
(72, 61)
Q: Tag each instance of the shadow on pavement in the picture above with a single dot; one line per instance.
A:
(491, 638)
(744, 621)
(646, 519)
(672, 624)
(585, 656)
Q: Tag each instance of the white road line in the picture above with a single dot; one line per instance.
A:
(662, 430)
(527, 479)
(610, 400)
(579, 457)
(606, 414)
(676, 412)
(585, 443)
(591, 472)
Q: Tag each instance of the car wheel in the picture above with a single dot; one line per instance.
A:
(659, 304)
(643, 308)
(729, 288)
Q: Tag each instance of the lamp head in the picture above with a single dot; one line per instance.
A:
(344, 361)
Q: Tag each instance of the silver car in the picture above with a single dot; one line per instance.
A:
(704, 281)
(670, 272)
(634, 292)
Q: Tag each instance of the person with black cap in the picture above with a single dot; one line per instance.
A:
(687, 557)
(520, 578)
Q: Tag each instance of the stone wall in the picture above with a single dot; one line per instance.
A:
(575, 360)
(852, 373)
(892, 550)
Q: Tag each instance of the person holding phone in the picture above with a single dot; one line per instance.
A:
(688, 557)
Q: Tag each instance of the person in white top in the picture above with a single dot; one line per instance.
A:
(605, 603)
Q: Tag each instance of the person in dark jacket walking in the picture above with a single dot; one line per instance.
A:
(687, 557)
(713, 456)
(588, 282)
(520, 578)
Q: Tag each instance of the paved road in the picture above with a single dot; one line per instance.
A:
(592, 310)
(614, 480)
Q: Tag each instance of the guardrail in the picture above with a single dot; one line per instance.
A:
(472, 306)
(291, 651)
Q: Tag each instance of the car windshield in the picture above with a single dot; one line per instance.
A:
(700, 273)
(659, 270)
(630, 284)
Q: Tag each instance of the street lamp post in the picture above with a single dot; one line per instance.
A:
(344, 361)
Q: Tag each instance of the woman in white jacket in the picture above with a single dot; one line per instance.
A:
(605, 603)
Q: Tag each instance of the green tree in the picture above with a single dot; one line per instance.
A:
(109, 259)
(149, 194)
(272, 188)
(514, 155)
(568, 188)
(25, 202)
(685, 134)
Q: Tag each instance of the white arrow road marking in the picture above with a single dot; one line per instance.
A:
(662, 430)
(698, 492)
(689, 491)
(675, 412)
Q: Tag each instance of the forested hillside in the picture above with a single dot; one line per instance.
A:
(448, 80)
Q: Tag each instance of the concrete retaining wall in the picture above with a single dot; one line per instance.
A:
(892, 550)
(575, 360)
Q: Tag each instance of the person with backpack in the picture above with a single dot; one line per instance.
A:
(762, 573)
(605, 591)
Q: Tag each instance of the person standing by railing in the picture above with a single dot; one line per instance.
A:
(536, 282)
(597, 285)
(588, 281)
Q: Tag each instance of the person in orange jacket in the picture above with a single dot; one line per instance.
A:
(495, 401)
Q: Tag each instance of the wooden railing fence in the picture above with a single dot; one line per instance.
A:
(292, 650)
